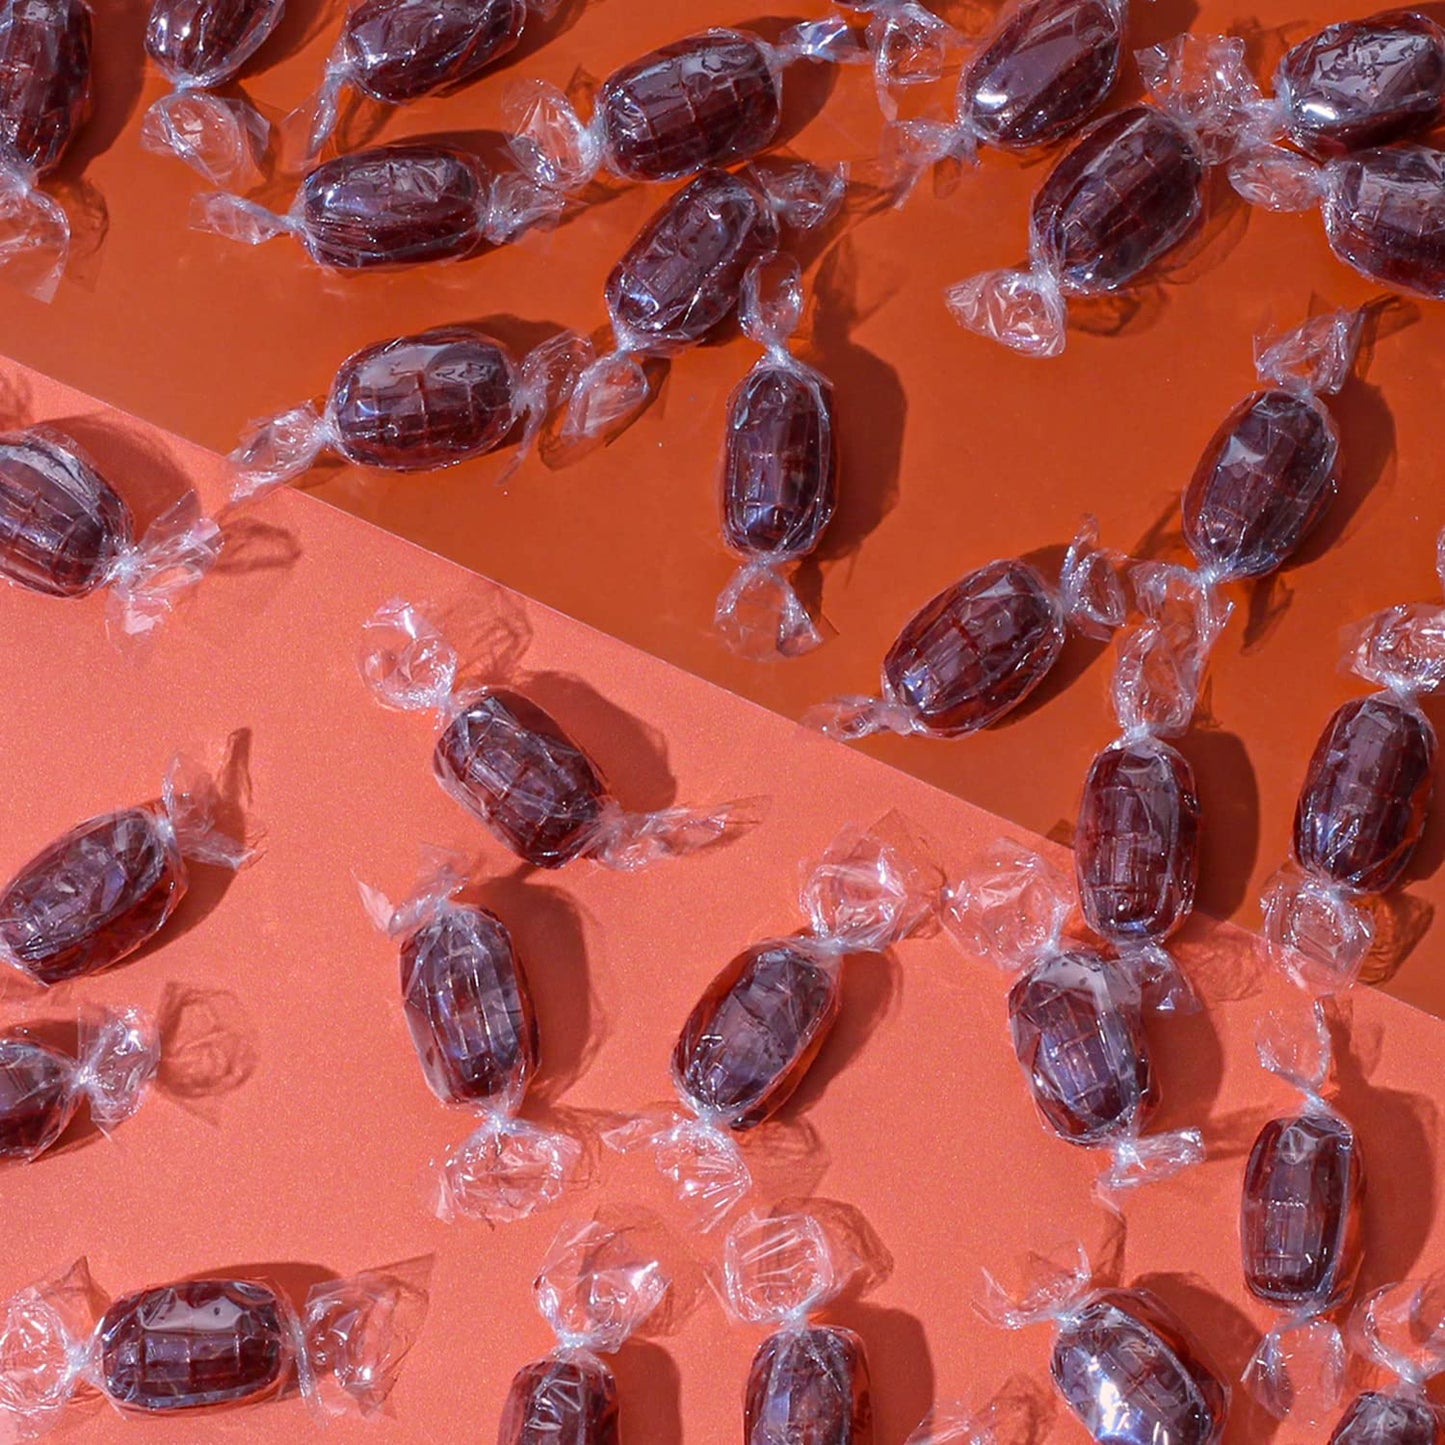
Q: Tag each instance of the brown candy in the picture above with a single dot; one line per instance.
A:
(93, 896)
(1079, 1036)
(1126, 1367)
(1043, 73)
(1362, 809)
(569, 1400)
(468, 1007)
(505, 760)
(702, 101)
(62, 525)
(809, 1386)
(38, 1097)
(400, 50)
(1129, 190)
(682, 275)
(1262, 483)
(977, 650)
(424, 401)
(1299, 1222)
(1363, 82)
(780, 472)
(1384, 214)
(209, 40)
(44, 79)
(1379, 1419)
(755, 1032)
(393, 206)
(1136, 845)
(193, 1345)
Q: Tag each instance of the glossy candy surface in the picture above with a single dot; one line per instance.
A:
(1045, 71)
(809, 1387)
(508, 762)
(977, 650)
(702, 101)
(468, 1007)
(1080, 1039)
(1363, 805)
(1125, 1366)
(1299, 1221)
(62, 525)
(92, 896)
(1384, 214)
(393, 206)
(683, 273)
(1128, 191)
(1363, 82)
(38, 1097)
(209, 40)
(44, 79)
(1261, 484)
(398, 50)
(752, 1036)
(570, 1400)
(780, 482)
(424, 401)
(1136, 845)
(1379, 1419)
(192, 1345)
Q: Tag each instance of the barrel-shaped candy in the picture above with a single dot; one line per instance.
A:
(38, 1097)
(1375, 1418)
(753, 1035)
(560, 1400)
(468, 1007)
(809, 1385)
(1136, 846)
(1262, 483)
(44, 79)
(208, 41)
(1384, 213)
(92, 896)
(1299, 1220)
(1362, 809)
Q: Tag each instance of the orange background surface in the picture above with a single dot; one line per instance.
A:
(953, 450)
(316, 1158)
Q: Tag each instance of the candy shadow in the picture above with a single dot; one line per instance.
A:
(806, 84)
(144, 473)
(300, 23)
(1226, 1338)
(118, 66)
(649, 1385)
(1189, 1060)
(899, 1362)
(1229, 806)
(1152, 24)
(207, 1046)
(547, 928)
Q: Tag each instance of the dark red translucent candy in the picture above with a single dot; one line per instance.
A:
(424, 401)
(507, 761)
(1263, 482)
(977, 650)
(1081, 1042)
(92, 896)
(756, 1031)
(1126, 1367)
(44, 79)
(399, 50)
(62, 525)
(1378, 1419)
(1363, 82)
(1128, 191)
(703, 101)
(1385, 215)
(571, 1400)
(1043, 73)
(468, 1007)
(780, 474)
(393, 206)
(38, 1096)
(1136, 845)
(1362, 808)
(209, 40)
(809, 1387)
(193, 1345)
(683, 273)
(1299, 1222)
